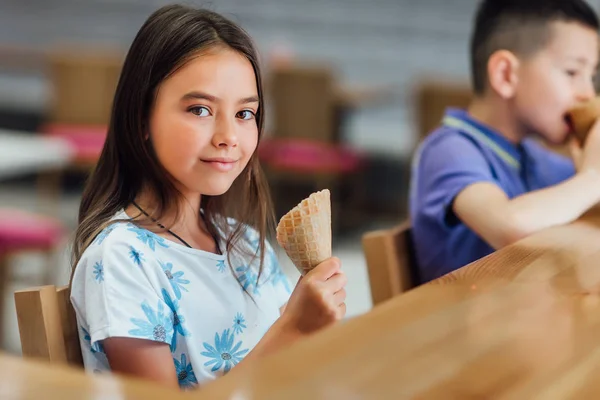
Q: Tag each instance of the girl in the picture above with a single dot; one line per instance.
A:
(174, 280)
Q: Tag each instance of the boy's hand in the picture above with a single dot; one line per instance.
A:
(576, 152)
(589, 157)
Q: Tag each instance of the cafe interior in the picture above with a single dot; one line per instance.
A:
(352, 87)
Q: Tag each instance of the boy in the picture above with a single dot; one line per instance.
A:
(479, 182)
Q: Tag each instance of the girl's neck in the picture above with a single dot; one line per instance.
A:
(189, 224)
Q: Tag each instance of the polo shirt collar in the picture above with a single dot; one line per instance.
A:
(462, 121)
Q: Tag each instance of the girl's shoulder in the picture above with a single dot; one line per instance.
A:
(122, 235)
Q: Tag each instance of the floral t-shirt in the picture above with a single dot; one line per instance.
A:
(133, 283)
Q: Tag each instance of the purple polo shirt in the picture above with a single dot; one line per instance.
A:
(459, 153)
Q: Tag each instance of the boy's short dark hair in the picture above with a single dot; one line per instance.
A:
(520, 26)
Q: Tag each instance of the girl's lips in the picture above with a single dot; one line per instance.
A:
(221, 165)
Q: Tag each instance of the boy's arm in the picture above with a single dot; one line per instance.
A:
(501, 221)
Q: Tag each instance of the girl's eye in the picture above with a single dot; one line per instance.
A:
(571, 73)
(245, 115)
(200, 111)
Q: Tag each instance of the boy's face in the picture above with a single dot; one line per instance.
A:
(555, 79)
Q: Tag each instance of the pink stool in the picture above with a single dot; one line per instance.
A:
(86, 140)
(325, 165)
(307, 156)
(21, 231)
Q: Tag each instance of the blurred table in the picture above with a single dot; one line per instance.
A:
(21, 379)
(22, 153)
(523, 323)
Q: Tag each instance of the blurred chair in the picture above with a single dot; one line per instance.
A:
(83, 85)
(432, 99)
(390, 261)
(47, 325)
(303, 103)
(304, 147)
(22, 232)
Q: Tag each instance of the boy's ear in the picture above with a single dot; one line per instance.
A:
(502, 70)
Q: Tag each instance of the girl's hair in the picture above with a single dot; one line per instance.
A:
(168, 39)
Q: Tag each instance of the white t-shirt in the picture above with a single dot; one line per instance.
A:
(133, 283)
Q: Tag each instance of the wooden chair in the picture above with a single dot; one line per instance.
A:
(83, 86)
(390, 262)
(433, 97)
(24, 232)
(47, 325)
(303, 103)
(304, 153)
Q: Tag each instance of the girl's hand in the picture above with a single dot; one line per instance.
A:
(318, 299)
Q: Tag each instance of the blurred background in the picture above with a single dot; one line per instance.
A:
(352, 87)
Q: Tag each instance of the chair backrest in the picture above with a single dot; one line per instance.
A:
(303, 102)
(47, 325)
(83, 86)
(390, 262)
(432, 100)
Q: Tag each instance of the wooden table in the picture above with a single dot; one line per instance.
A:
(22, 379)
(523, 323)
(22, 153)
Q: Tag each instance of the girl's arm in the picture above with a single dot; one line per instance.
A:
(141, 358)
(317, 302)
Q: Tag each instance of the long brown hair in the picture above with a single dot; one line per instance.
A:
(167, 40)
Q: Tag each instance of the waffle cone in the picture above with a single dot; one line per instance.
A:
(305, 231)
(583, 117)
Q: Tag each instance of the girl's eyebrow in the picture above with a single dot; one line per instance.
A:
(214, 99)
(251, 99)
(201, 96)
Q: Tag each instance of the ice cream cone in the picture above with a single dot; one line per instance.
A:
(583, 117)
(305, 231)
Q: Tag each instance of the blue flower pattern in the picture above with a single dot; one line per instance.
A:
(97, 347)
(221, 266)
(275, 274)
(104, 234)
(148, 238)
(178, 320)
(239, 324)
(166, 325)
(224, 354)
(99, 272)
(278, 277)
(185, 373)
(136, 256)
(157, 326)
(248, 278)
(175, 279)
